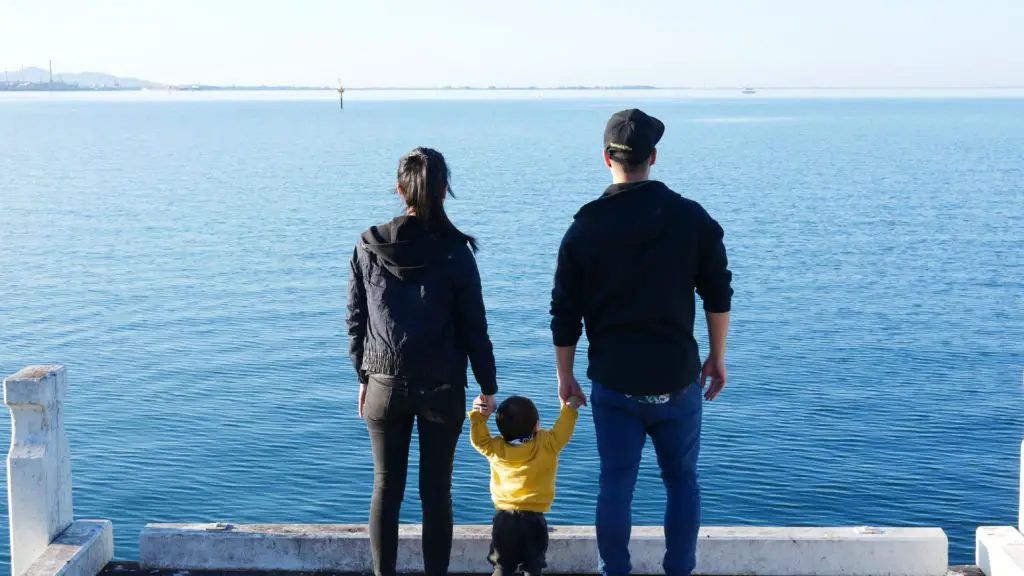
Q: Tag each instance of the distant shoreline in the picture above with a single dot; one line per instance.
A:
(676, 88)
(35, 79)
(43, 87)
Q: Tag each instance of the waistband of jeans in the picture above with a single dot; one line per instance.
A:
(421, 384)
(673, 393)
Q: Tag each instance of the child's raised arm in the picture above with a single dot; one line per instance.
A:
(480, 434)
(562, 431)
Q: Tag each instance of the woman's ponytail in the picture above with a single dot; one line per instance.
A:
(423, 177)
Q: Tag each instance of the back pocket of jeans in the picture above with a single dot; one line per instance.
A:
(378, 400)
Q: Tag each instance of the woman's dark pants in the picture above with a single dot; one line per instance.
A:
(438, 410)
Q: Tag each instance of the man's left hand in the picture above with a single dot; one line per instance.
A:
(714, 369)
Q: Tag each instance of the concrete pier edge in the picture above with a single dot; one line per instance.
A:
(46, 540)
(84, 549)
(573, 549)
(999, 550)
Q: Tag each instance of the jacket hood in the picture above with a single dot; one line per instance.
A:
(404, 246)
(633, 213)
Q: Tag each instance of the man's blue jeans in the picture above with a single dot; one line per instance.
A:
(622, 426)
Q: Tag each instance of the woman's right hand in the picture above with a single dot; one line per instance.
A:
(362, 400)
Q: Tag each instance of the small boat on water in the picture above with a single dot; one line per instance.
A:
(749, 91)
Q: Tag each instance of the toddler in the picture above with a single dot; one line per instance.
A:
(524, 463)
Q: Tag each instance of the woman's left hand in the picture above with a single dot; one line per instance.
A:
(485, 404)
(362, 400)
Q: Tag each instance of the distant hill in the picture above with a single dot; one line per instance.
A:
(84, 79)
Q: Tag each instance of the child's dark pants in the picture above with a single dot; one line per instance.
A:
(519, 540)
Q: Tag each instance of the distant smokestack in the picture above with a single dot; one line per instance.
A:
(51, 75)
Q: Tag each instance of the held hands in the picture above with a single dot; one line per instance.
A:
(714, 368)
(574, 402)
(568, 388)
(485, 405)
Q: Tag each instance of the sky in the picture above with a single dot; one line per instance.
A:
(670, 43)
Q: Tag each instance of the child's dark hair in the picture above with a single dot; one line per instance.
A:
(517, 418)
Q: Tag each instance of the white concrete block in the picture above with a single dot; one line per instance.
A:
(823, 551)
(999, 551)
(84, 549)
(573, 550)
(39, 464)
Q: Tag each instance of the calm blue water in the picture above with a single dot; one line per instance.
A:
(187, 262)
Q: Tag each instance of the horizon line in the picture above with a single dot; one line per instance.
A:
(624, 87)
(186, 85)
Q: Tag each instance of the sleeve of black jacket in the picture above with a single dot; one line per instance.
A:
(472, 322)
(356, 317)
(567, 295)
(714, 280)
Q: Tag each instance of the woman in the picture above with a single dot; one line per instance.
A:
(415, 313)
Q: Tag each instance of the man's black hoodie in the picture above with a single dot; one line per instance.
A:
(415, 307)
(627, 269)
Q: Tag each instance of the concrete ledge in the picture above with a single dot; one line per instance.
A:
(1020, 507)
(84, 549)
(999, 551)
(820, 551)
(573, 550)
(38, 464)
(122, 568)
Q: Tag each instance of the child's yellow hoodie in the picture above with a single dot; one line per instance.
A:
(523, 476)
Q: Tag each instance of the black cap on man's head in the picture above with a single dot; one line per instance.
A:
(631, 135)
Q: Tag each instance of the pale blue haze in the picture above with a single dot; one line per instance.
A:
(187, 261)
(528, 42)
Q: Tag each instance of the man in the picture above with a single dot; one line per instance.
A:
(627, 270)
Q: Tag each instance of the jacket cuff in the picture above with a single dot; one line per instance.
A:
(565, 340)
(565, 334)
(718, 306)
(489, 388)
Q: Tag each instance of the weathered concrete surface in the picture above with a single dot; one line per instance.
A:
(822, 551)
(84, 549)
(39, 463)
(573, 550)
(999, 550)
(964, 571)
(133, 569)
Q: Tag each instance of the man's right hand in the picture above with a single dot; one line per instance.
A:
(714, 369)
(569, 387)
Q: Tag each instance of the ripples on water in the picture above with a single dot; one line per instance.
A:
(187, 262)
